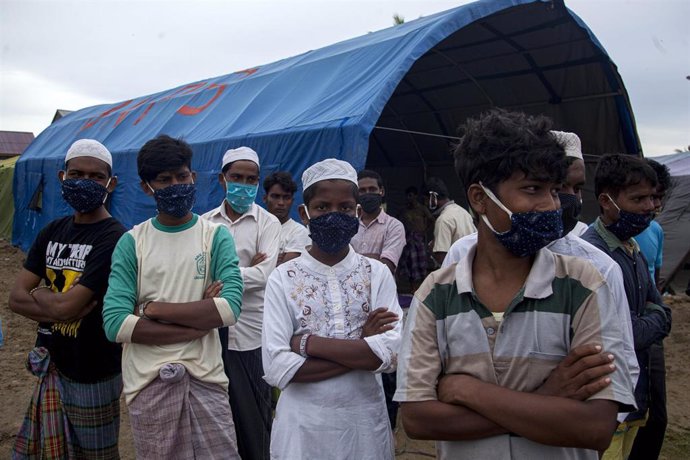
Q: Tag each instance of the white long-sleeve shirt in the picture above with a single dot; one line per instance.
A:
(346, 413)
(255, 231)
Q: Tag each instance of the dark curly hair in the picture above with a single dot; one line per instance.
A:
(161, 154)
(663, 175)
(499, 143)
(282, 178)
(616, 172)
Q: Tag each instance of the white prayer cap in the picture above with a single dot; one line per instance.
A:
(89, 148)
(570, 143)
(240, 153)
(329, 168)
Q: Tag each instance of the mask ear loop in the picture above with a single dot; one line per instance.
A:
(106, 190)
(614, 203)
(306, 211)
(433, 200)
(498, 203)
(358, 211)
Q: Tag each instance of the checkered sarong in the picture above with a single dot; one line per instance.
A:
(179, 417)
(413, 261)
(68, 419)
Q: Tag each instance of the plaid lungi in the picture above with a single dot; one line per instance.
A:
(179, 417)
(68, 419)
(413, 260)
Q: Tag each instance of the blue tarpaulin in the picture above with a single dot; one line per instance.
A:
(361, 100)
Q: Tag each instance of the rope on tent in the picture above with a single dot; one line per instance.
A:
(420, 133)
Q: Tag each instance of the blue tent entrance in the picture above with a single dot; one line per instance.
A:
(359, 100)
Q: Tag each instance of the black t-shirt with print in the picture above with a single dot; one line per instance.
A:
(62, 252)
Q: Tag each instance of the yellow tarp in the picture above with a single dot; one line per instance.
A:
(6, 197)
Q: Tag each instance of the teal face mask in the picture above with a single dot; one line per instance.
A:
(240, 196)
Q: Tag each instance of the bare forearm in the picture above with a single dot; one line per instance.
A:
(316, 370)
(24, 304)
(149, 332)
(446, 422)
(354, 354)
(201, 314)
(540, 418)
(57, 306)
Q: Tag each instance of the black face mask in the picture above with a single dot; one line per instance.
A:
(370, 202)
(571, 207)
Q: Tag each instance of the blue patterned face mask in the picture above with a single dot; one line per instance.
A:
(629, 224)
(240, 196)
(332, 232)
(175, 200)
(84, 195)
(529, 231)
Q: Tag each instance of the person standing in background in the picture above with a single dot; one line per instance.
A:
(257, 237)
(452, 220)
(279, 191)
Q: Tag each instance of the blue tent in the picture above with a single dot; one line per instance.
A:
(390, 100)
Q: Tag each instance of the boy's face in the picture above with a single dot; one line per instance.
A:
(278, 201)
(637, 199)
(241, 172)
(369, 185)
(165, 179)
(331, 196)
(575, 179)
(521, 194)
(88, 168)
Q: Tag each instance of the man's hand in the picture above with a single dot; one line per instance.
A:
(580, 375)
(213, 290)
(379, 321)
(257, 259)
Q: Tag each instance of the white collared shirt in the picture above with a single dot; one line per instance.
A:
(294, 237)
(255, 231)
(346, 412)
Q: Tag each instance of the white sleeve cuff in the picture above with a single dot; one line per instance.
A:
(124, 335)
(225, 311)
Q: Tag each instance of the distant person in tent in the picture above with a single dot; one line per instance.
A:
(279, 189)
(625, 186)
(75, 409)
(332, 322)
(174, 281)
(452, 220)
(257, 238)
(417, 220)
(571, 191)
(650, 437)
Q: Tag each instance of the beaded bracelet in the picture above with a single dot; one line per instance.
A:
(31, 292)
(303, 345)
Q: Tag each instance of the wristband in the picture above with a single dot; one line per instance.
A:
(303, 345)
(31, 292)
(142, 308)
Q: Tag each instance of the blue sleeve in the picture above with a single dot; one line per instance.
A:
(225, 268)
(121, 296)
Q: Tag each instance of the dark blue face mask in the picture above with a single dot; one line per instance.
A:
(175, 200)
(332, 232)
(629, 224)
(529, 231)
(571, 207)
(84, 195)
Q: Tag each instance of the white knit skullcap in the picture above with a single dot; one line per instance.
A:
(329, 168)
(570, 143)
(240, 153)
(89, 148)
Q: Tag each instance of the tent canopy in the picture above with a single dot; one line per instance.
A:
(359, 100)
(675, 217)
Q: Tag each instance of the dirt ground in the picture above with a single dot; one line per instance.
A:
(16, 384)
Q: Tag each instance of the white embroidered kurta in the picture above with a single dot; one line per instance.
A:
(342, 417)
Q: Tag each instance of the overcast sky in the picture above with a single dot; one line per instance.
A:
(70, 55)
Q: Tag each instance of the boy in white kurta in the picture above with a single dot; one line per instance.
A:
(331, 325)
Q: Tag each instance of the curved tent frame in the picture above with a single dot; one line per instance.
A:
(360, 100)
